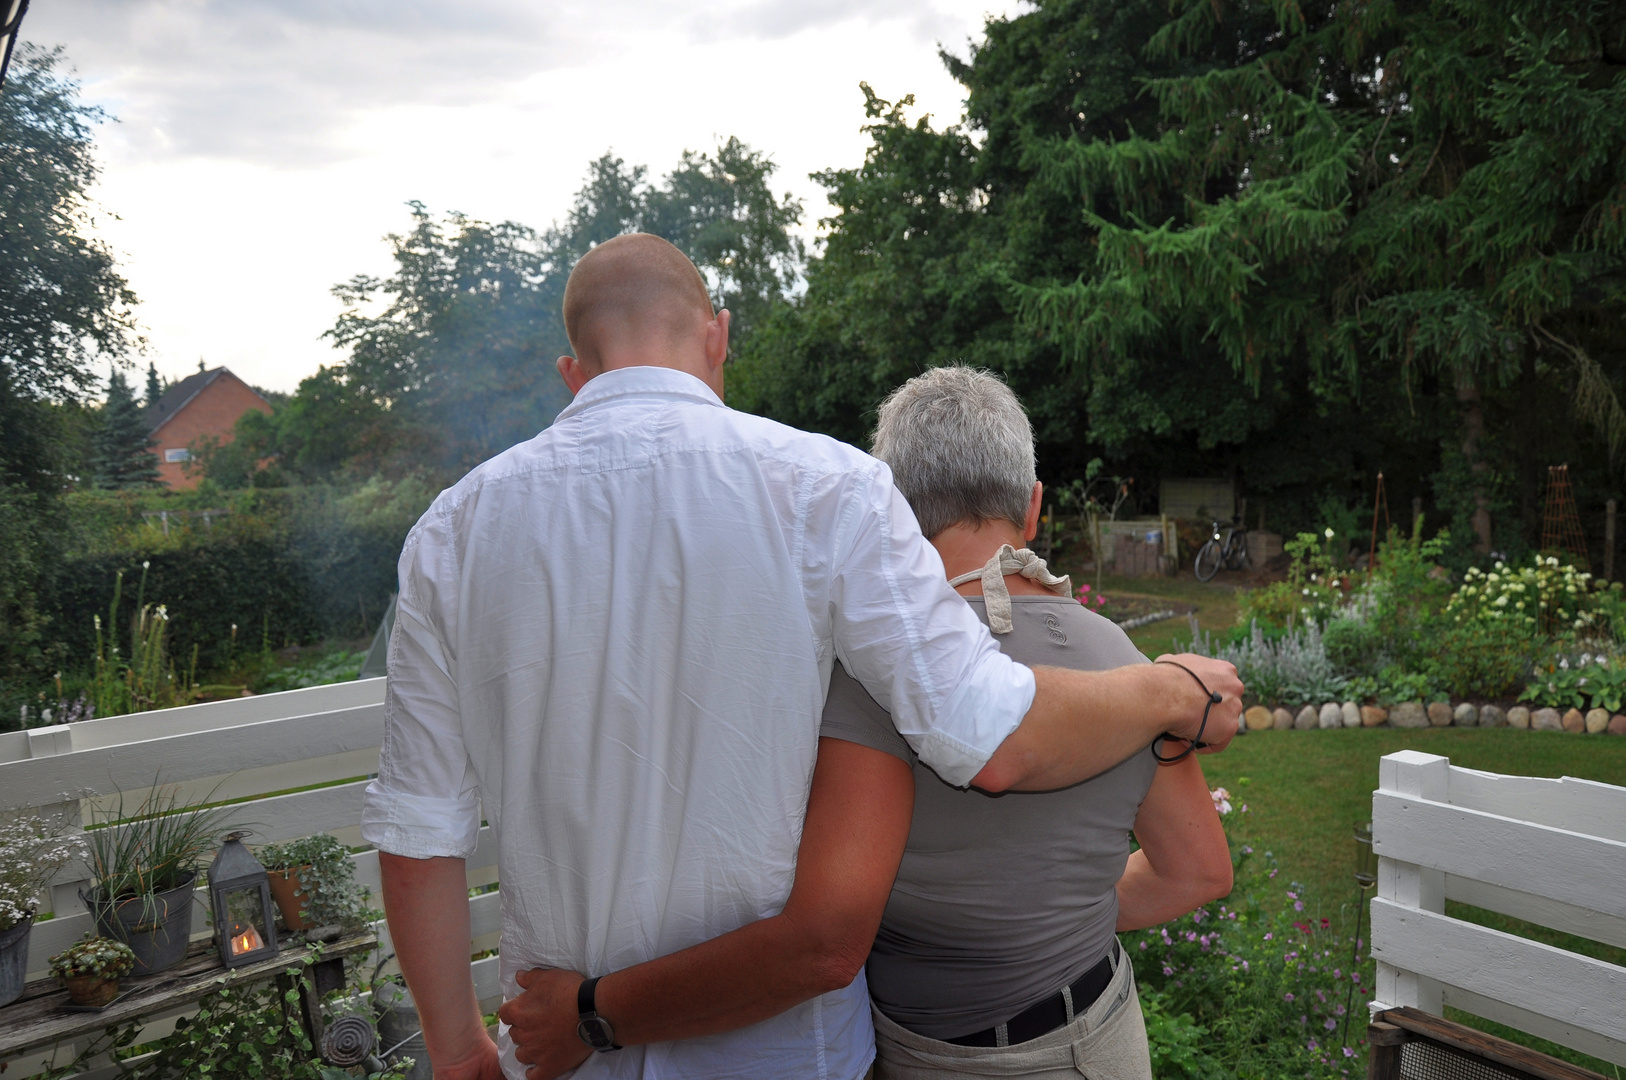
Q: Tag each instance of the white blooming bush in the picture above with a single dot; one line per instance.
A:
(1545, 595)
(32, 850)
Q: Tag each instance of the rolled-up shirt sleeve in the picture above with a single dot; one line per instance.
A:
(915, 644)
(425, 802)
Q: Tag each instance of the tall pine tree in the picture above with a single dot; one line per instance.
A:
(122, 456)
(155, 386)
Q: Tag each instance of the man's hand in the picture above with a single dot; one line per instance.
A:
(480, 1064)
(1223, 718)
(542, 1022)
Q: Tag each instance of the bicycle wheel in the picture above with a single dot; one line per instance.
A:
(1236, 558)
(1207, 563)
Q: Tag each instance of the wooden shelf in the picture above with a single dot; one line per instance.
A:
(37, 1019)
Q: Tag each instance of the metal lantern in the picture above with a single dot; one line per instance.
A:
(245, 928)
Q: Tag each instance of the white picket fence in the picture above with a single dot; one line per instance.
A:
(1550, 852)
(300, 759)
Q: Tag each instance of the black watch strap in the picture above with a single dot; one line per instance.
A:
(593, 1029)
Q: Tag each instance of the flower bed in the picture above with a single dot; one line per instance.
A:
(1539, 646)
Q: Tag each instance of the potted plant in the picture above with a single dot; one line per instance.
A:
(314, 883)
(91, 970)
(145, 865)
(32, 850)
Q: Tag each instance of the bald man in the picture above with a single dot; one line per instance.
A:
(613, 642)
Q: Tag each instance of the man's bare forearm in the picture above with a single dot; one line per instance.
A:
(427, 904)
(1082, 723)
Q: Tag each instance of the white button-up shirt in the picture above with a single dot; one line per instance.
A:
(617, 637)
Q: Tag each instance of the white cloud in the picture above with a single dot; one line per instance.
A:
(265, 146)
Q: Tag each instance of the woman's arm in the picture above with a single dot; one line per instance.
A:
(1184, 860)
(858, 815)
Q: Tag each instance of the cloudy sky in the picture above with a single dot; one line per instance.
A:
(264, 147)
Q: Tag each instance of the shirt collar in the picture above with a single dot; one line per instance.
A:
(640, 381)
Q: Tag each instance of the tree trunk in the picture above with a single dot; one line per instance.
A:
(1473, 429)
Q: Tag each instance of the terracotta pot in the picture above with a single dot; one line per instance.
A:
(95, 990)
(283, 883)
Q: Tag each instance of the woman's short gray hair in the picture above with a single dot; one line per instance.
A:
(960, 447)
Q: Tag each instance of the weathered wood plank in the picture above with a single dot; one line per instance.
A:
(36, 1019)
(1578, 991)
(1584, 871)
(193, 755)
(1481, 1045)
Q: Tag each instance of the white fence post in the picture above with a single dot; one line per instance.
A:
(1425, 776)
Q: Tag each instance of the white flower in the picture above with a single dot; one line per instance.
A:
(1306, 592)
(1329, 533)
(145, 563)
(1222, 800)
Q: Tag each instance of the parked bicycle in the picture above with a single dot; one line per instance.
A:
(1227, 549)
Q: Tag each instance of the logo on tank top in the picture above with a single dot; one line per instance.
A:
(1053, 626)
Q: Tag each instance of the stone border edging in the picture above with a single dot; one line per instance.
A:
(1437, 714)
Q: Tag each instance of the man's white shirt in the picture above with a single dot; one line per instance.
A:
(617, 639)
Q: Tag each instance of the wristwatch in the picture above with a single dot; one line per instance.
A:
(593, 1030)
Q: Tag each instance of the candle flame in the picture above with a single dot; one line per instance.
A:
(248, 941)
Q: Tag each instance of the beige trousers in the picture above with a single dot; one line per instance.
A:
(1106, 1042)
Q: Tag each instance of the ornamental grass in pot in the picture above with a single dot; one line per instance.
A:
(32, 850)
(91, 969)
(145, 864)
(314, 883)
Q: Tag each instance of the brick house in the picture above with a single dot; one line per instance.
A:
(207, 403)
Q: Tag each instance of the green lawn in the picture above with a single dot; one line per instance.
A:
(1305, 790)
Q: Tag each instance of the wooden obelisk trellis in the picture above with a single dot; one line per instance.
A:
(1560, 521)
(1380, 505)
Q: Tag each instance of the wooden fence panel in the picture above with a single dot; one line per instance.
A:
(1551, 852)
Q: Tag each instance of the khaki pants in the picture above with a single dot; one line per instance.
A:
(1106, 1042)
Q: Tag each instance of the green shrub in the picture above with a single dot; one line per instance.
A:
(1482, 660)
(1587, 681)
(1291, 669)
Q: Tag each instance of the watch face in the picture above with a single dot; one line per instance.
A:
(595, 1032)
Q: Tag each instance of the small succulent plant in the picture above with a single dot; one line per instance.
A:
(94, 956)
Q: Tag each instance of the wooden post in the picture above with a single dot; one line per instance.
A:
(1609, 541)
(1383, 1051)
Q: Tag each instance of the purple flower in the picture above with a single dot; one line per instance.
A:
(1298, 905)
(1287, 996)
(1143, 946)
(1269, 936)
(1330, 1024)
(1167, 970)
(1312, 1045)
(1348, 1052)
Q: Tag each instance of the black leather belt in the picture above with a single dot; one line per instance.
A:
(1051, 1013)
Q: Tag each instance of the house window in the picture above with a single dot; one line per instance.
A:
(172, 456)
